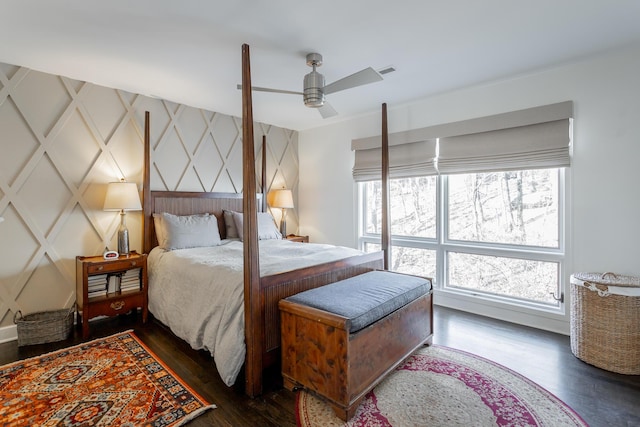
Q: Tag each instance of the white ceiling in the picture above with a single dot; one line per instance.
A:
(189, 51)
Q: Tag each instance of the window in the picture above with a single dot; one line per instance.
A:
(413, 203)
(512, 220)
(523, 279)
(499, 234)
(517, 207)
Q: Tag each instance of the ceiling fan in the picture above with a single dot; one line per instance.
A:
(314, 89)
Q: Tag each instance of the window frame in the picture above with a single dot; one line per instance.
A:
(443, 246)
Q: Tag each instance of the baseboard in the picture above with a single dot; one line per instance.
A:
(552, 322)
(8, 333)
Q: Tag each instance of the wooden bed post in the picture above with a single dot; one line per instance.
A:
(252, 309)
(146, 189)
(386, 229)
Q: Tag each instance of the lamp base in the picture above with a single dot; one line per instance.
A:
(123, 242)
(123, 236)
(283, 223)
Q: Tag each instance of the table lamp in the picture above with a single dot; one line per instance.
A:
(283, 199)
(122, 196)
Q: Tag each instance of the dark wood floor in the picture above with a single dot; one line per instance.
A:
(602, 398)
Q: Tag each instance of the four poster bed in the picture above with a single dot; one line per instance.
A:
(256, 295)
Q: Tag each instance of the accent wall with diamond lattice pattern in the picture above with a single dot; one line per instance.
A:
(63, 140)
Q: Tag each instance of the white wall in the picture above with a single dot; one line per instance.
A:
(326, 189)
(604, 229)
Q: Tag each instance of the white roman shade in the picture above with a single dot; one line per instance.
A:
(528, 139)
(534, 138)
(410, 154)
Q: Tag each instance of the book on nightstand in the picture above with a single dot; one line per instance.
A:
(130, 280)
(97, 285)
(113, 283)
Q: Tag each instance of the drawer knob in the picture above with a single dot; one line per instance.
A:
(134, 263)
(100, 267)
(117, 305)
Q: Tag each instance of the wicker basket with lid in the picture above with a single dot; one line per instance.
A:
(605, 321)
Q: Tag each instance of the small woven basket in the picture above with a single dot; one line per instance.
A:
(44, 326)
(605, 321)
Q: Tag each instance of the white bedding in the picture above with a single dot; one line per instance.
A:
(199, 294)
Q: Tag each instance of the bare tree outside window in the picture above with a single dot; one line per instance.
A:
(520, 278)
(518, 207)
(514, 208)
(412, 215)
(412, 207)
(502, 231)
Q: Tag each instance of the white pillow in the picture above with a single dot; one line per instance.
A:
(160, 227)
(230, 224)
(188, 231)
(266, 226)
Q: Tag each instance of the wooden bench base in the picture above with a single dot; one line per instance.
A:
(320, 355)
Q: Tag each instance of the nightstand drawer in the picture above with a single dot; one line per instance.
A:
(98, 268)
(109, 266)
(116, 304)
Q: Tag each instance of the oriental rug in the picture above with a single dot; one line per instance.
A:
(112, 381)
(440, 386)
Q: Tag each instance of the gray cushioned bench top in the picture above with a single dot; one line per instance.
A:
(366, 298)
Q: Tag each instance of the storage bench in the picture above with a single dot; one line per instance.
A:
(340, 340)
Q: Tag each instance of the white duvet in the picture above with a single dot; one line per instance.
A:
(199, 293)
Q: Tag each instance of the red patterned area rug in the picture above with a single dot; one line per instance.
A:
(440, 386)
(113, 381)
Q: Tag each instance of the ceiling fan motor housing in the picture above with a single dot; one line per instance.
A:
(313, 93)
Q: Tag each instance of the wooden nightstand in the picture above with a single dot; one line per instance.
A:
(93, 273)
(294, 238)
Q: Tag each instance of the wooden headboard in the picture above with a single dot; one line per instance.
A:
(189, 203)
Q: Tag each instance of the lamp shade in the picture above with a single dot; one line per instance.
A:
(122, 196)
(282, 199)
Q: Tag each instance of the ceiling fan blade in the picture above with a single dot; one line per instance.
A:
(327, 111)
(266, 89)
(366, 76)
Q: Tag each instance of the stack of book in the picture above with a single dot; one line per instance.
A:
(97, 285)
(130, 280)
